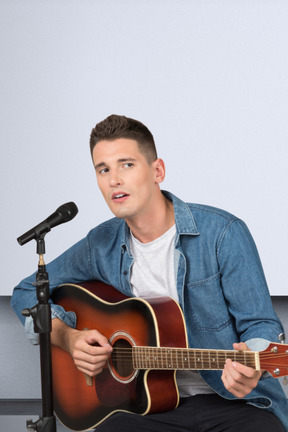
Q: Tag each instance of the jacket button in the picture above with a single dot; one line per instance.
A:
(125, 272)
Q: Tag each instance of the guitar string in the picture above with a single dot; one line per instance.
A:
(126, 354)
(129, 352)
(180, 351)
(190, 351)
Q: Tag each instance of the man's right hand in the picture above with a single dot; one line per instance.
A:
(89, 349)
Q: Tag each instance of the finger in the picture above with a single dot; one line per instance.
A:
(239, 370)
(92, 350)
(93, 358)
(93, 336)
(89, 368)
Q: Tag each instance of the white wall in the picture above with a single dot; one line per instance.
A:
(208, 77)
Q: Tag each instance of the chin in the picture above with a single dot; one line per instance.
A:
(119, 214)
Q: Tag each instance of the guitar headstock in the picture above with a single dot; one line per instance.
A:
(275, 359)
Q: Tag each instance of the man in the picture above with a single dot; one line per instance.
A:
(201, 256)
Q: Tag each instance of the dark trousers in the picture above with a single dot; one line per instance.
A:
(201, 413)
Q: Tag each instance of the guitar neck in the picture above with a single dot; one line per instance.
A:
(160, 358)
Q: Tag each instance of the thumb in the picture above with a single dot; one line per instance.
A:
(93, 337)
(241, 346)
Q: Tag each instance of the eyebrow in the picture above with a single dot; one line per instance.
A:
(99, 165)
(128, 159)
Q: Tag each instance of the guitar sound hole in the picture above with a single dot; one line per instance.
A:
(121, 358)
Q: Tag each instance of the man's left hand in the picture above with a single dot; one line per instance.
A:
(238, 379)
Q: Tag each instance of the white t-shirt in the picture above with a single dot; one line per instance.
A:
(153, 275)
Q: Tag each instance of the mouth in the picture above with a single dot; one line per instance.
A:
(119, 196)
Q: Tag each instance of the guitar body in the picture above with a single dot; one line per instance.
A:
(126, 322)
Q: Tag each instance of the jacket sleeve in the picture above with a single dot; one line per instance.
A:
(244, 285)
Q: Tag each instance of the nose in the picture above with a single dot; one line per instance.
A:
(115, 179)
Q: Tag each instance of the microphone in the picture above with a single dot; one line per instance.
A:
(64, 213)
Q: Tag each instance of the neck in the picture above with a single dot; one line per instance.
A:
(149, 227)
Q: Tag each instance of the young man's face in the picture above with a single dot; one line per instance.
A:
(128, 183)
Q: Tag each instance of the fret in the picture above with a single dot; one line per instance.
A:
(206, 361)
(148, 358)
(221, 358)
(135, 358)
(141, 358)
(217, 355)
(179, 359)
(152, 358)
(168, 355)
(194, 365)
(213, 359)
(170, 359)
(202, 363)
(224, 359)
(185, 359)
(156, 358)
(176, 358)
(198, 360)
(240, 358)
(162, 361)
(173, 359)
(188, 358)
(138, 351)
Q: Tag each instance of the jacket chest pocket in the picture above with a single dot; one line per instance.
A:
(206, 305)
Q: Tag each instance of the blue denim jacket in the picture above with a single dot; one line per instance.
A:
(220, 282)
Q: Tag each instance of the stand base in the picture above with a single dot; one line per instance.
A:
(43, 424)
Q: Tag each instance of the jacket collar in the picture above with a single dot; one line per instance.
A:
(184, 220)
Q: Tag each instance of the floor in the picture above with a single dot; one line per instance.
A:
(17, 423)
(14, 415)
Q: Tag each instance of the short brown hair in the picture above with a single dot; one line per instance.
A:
(116, 126)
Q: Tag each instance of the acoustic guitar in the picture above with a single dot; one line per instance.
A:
(149, 342)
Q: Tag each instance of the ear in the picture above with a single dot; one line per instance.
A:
(159, 168)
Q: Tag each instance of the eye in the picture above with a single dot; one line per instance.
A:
(128, 164)
(103, 170)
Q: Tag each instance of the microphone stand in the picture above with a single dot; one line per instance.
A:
(41, 315)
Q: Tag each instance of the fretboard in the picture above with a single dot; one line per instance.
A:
(190, 359)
